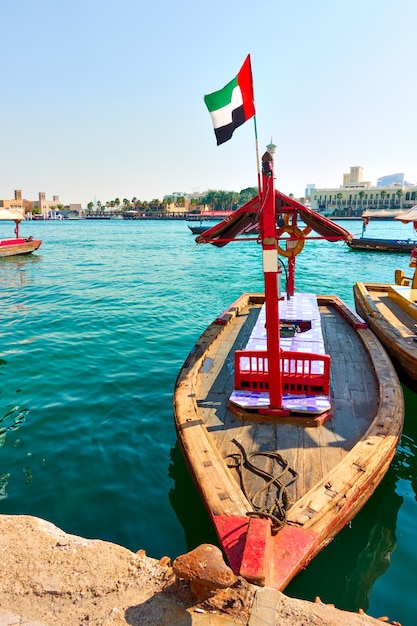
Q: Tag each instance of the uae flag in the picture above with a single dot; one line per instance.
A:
(233, 105)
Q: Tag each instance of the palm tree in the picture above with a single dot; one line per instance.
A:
(383, 194)
(400, 194)
(223, 199)
(361, 196)
(247, 194)
(339, 196)
(168, 201)
(210, 198)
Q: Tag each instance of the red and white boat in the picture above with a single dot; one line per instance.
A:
(288, 410)
(16, 245)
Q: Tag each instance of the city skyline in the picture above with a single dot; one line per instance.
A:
(105, 99)
(389, 180)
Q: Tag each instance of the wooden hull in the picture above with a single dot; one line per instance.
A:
(394, 326)
(12, 249)
(382, 245)
(339, 462)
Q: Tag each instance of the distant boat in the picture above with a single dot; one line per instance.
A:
(17, 245)
(198, 224)
(381, 245)
(288, 411)
(198, 228)
(390, 312)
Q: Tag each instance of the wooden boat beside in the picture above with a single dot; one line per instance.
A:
(390, 311)
(288, 410)
(16, 245)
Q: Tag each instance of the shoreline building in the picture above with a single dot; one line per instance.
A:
(43, 208)
(356, 197)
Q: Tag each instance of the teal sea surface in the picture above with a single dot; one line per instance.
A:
(94, 329)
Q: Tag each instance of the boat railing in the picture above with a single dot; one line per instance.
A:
(301, 372)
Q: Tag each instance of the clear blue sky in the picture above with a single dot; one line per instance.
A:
(105, 97)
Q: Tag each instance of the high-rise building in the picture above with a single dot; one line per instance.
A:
(309, 189)
(391, 179)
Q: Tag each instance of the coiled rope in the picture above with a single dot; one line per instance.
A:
(277, 512)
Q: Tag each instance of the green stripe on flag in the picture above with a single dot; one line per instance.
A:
(222, 98)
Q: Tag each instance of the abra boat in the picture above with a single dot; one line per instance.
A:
(382, 245)
(390, 311)
(371, 244)
(198, 228)
(288, 410)
(17, 245)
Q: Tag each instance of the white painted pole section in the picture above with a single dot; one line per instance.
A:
(270, 261)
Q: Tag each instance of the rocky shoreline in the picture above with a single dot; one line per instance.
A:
(51, 578)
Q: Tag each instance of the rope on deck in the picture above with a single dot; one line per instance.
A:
(277, 512)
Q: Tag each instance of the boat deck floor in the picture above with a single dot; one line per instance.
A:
(310, 451)
(404, 325)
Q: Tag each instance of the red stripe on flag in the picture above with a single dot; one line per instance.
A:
(244, 79)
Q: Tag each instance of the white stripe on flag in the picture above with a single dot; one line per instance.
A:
(223, 117)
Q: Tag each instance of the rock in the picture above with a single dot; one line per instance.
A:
(206, 570)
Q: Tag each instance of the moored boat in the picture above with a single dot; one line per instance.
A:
(371, 244)
(390, 311)
(288, 410)
(382, 245)
(16, 245)
(198, 228)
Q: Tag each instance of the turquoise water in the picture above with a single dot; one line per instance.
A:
(94, 329)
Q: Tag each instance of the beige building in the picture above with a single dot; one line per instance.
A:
(356, 196)
(17, 203)
(42, 205)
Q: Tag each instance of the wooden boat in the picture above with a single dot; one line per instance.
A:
(288, 410)
(198, 229)
(371, 244)
(390, 311)
(199, 224)
(382, 245)
(17, 245)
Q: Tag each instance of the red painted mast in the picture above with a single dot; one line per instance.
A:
(271, 276)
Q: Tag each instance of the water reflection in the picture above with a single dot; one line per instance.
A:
(187, 504)
(14, 269)
(405, 461)
(374, 559)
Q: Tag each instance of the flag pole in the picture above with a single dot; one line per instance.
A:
(257, 159)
